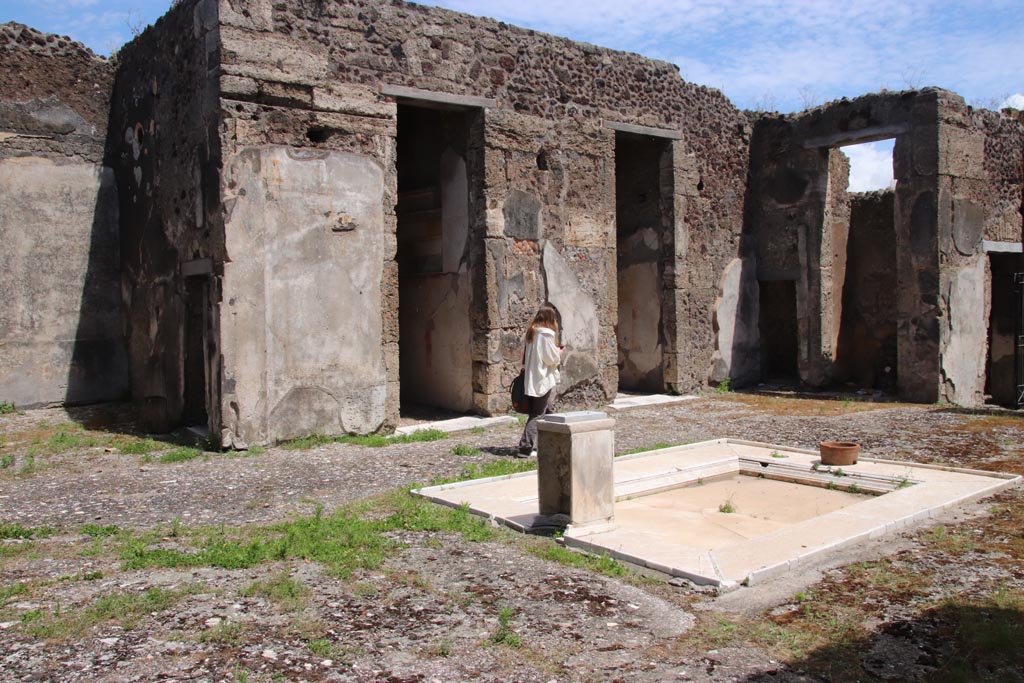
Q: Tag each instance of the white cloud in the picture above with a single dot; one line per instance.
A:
(1015, 101)
(870, 166)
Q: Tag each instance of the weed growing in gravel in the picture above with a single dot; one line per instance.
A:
(496, 468)
(6, 461)
(442, 648)
(372, 440)
(6, 408)
(121, 609)
(97, 531)
(603, 564)
(321, 647)
(724, 387)
(26, 533)
(29, 466)
(8, 592)
(504, 635)
(282, 590)
(180, 455)
(134, 446)
(224, 633)
(953, 543)
(344, 541)
(727, 507)
(776, 454)
(464, 449)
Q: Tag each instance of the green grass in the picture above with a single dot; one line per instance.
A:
(496, 468)
(97, 531)
(602, 564)
(6, 461)
(8, 592)
(349, 539)
(724, 387)
(121, 609)
(180, 455)
(285, 592)
(8, 531)
(323, 648)
(727, 507)
(371, 440)
(139, 446)
(503, 634)
(464, 449)
(6, 408)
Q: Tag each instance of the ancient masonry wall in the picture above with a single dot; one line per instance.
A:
(1004, 174)
(163, 144)
(300, 87)
(60, 323)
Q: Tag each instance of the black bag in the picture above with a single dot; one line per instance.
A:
(520, 402)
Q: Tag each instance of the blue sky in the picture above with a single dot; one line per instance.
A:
(783, 55)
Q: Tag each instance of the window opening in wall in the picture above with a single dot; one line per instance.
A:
(864, 270)
(640, 216)
(871, 166)
(777, 328)
(1004, 371)
(435, 362)
(194, 411)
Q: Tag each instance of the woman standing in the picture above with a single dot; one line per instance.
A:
(541, 360)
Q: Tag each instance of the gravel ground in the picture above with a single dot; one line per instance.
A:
(432, 611)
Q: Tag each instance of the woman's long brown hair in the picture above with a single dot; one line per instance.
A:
(547, 316)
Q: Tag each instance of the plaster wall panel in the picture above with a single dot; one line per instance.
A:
(60, 318)
(304, 244)
(964, 338)
(736, 321)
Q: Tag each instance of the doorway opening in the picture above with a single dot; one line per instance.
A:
(1003, 378)
(641, 215)
(194, 409)
(777, 327)
(433, 227)
(865, 269)
(866, 348)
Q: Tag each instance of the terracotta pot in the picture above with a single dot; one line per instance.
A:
(839, 452)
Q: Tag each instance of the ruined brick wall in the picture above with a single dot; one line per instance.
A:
(1004, 170)
(291, 68)
(60, 324)
(163, 144)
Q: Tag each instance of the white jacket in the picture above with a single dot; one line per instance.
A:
(541, 363)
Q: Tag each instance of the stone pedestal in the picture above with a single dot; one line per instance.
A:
(574, 467)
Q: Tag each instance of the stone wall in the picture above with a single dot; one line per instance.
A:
(60, 323)
(164, 146)
(958, 183)
(1004, 173)
(542, 186)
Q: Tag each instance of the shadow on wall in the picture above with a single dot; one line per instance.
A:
(976, 641)
(98, 370)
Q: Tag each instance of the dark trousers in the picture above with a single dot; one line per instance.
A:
(539, 405)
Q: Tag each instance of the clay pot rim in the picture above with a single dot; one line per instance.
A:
(839, 444)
